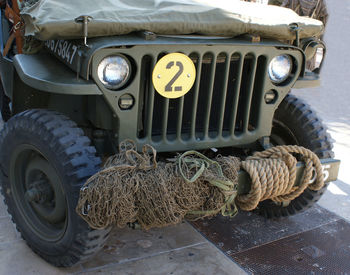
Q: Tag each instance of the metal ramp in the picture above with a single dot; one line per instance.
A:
(314, 242)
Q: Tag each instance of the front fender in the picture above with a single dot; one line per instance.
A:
(44, 72)
(6, 74)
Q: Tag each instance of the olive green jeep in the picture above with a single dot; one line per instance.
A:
(68, 102)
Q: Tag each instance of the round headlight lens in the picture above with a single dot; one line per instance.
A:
(280, 68)
(114, 71)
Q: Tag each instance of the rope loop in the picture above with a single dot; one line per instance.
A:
(273, 175)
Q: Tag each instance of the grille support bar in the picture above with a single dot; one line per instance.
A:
(210, 96)
(180, 117)
(224, 93)
(165, 115)
(237, 89)
(249, 95)
(195, 98)
(150, 105)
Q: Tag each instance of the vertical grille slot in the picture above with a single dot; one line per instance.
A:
(257, 98)
(180, 110)
(160, 110)
(146, 98)
(160, 116)
(175, 111)
(224, 91)
(206, 87)
(245, 94)
(218, 95)
(234, 84)
(164, 118)
(194, 94)
(190, 102)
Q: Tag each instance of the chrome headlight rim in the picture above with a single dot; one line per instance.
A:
(319, 63)
(124, 82)
(311, 45)
(311, 50)
(287, 74)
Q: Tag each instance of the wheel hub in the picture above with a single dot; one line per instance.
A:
(41, 192)
(38, 193)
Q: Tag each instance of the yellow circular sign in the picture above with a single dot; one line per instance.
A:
(174, 75)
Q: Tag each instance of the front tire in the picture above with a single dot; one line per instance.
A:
(4, 105)
(45, 159)
(295, 123)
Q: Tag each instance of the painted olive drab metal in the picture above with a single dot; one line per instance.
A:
(183, 122)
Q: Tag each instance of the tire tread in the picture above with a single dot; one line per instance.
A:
(79, 159)
(318, 140)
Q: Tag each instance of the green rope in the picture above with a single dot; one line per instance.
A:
(227, 187)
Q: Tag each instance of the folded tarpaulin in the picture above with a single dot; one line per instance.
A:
(55, 19)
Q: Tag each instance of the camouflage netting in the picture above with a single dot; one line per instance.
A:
(312, 8)
(135, 187)
(28, 3)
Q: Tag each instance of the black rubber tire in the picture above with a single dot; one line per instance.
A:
(296, 123)
(4, 105)
(68, 151)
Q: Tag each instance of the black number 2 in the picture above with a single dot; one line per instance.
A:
(169, 86)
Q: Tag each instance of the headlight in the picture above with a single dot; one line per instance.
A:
(114, 71)
(280, 68)
(314, 53)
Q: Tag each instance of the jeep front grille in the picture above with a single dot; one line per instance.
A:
(225, 106)
(224, 101)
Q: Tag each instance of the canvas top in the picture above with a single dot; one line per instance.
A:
(55, 19)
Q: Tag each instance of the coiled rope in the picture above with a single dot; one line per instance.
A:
(273, 175)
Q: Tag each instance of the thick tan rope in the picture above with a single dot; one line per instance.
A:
(273, 175)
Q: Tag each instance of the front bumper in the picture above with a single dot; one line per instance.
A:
(330, 173)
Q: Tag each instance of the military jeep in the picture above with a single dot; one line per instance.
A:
(71, 94)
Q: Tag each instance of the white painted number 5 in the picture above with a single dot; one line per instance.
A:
(325, 173)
